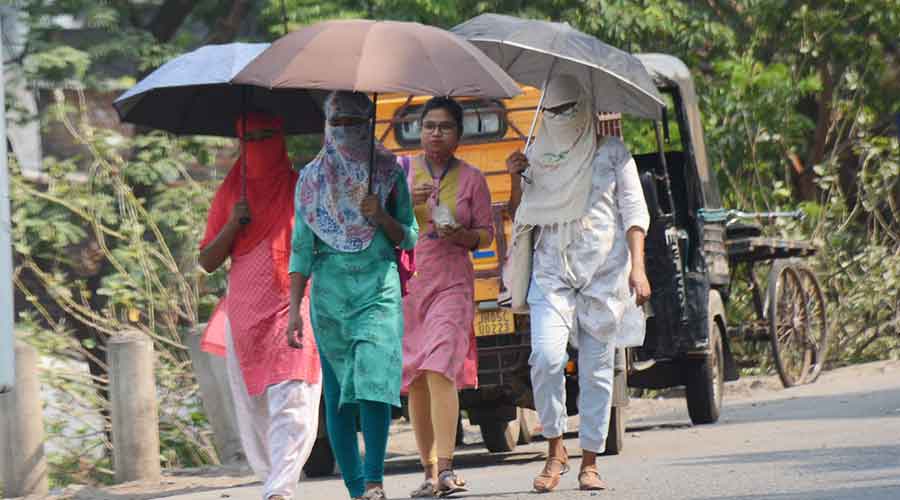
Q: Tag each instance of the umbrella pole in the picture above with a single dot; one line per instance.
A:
(243, 135)
(537, 112)
(372, 143)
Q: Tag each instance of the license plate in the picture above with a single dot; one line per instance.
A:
(494, 323)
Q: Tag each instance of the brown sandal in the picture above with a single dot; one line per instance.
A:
(547, 480)
(589, 479)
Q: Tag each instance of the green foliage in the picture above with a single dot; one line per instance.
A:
(137, 219)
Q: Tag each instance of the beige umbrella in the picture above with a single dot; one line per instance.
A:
(377, 57)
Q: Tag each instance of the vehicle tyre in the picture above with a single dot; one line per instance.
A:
(705, 378)
(500, 436)
(615, 437)
(528, 421)
(321, 460)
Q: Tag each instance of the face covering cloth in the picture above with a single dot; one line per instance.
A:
(333, 186)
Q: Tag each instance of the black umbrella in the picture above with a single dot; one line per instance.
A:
(193, 94)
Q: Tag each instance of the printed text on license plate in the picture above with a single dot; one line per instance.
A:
(494, 323)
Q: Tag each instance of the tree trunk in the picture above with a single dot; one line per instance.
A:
(169, 18)
(227, 29)
(805, 177)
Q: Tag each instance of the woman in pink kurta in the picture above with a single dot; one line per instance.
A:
(453, 209)
(276, 388)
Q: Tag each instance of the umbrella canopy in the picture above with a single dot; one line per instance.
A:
(529, 50)
(193, 94)
(379, 57)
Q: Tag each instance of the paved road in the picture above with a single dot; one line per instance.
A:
(836, 439)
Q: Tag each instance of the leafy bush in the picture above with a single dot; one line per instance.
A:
(136, 220)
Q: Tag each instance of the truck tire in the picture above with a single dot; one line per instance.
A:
(500, 436)
(705, 378)
(615, 437)
(321, 460)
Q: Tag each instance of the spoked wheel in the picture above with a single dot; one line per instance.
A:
(818, 322)
(788, 316)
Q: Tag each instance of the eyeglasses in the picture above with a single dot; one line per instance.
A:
(443, 127)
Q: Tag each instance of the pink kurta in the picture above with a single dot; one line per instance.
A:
(257, 309)
(439, 310)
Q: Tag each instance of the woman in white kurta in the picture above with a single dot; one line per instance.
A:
(583, 199)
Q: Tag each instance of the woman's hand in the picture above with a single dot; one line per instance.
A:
(640, 285)
(295, 332)
(240, 214)
(371, 209)
(422, 192)
(458, 235)
(516, 163)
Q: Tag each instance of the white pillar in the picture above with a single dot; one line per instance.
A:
(24, 465)
(7, 335)
(135, 418)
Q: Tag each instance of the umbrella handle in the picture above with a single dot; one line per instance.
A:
(372, 143)
(537, 112)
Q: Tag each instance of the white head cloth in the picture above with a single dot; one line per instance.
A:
(561, 159)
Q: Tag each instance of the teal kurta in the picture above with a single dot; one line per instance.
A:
(355, 304)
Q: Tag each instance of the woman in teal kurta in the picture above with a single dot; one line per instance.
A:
(347, 238)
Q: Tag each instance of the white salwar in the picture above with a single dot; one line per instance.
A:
(278, 428)
(580, 293)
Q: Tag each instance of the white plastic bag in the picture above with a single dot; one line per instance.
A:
(633, 328)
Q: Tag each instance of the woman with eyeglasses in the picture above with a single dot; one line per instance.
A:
(583, 200)
(345, 237)
(276, 389)
(453, 208)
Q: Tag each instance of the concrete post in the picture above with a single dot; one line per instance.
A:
(135, 418)
(22, 430)
(217, 400)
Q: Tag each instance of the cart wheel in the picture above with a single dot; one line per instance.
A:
(705, 378)
(818, 323)
(789, 324)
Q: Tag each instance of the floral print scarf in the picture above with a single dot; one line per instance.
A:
(333, 185)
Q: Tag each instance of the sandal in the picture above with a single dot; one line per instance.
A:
(589, 479)
(547, 480)
(425, 490)
(449, 484)
(376, 493)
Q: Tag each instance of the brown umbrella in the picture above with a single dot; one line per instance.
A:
(378, 57)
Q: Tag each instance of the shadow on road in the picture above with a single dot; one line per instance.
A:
(839, 459)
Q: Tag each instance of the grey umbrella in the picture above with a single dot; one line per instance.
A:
(193, 94)
(531, 50)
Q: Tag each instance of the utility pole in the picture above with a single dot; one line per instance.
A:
(7, 336)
